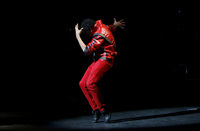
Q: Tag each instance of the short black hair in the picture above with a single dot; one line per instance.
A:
(87, 25)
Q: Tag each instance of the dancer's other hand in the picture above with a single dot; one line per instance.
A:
(120, 23)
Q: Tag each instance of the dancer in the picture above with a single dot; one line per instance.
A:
(103, 48)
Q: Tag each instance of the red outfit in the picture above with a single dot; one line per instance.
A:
(103, 48)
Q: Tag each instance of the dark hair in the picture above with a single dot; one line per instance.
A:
(87, 25)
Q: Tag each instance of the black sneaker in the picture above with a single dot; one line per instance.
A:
(107, 116)
(97, 115)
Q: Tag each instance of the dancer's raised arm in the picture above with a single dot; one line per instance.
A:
(78, 32)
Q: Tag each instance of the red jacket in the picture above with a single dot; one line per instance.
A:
(103, 43)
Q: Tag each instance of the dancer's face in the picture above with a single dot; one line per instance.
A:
(89, 33)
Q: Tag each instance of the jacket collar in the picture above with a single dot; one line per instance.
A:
(98, 24)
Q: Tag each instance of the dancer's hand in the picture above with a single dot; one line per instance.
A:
(120, 23)
(78, 32)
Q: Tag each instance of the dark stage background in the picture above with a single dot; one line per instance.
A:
(43, 63)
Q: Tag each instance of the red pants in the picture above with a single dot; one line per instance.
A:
(88, 83)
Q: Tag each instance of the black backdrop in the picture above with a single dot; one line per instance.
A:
(43, 63)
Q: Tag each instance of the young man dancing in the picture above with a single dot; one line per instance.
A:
(103, 48)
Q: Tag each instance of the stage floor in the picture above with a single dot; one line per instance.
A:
(157, 118)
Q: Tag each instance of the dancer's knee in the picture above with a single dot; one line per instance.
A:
(82, 84)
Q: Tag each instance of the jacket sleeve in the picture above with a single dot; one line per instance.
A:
(112, 28)
(94, 45)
